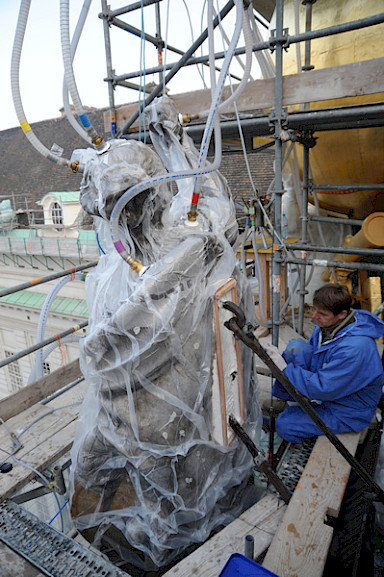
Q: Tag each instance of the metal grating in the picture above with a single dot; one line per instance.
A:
(52, 552)
(293, 462)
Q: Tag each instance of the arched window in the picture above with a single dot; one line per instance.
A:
(57, 213)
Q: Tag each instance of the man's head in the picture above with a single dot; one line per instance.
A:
(331, 303)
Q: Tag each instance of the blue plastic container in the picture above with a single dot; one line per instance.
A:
(240, 566)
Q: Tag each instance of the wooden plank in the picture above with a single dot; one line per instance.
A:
(41, 389)
(349, 80)
(260, 521)
(49, 437)
(301, 544)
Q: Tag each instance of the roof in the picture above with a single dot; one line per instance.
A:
(63, 197)
(34, 300)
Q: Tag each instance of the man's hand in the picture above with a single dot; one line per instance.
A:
(276, 357)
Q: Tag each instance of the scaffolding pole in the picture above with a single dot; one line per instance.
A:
(54, 276)
(227, 8)
(277, 119)
(41, 344)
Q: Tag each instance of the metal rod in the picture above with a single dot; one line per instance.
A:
(158, 89)
(42, 344)
(169, 66)
(341, 249)
(160, 43)
(307, 43)
(257, 47)
(327, 119)
(48, 278)
(108, 57)
(130, 85)
(347, 186)
(249, 546)
(345, 221)
(277, 124)
(61, 391)
(304, 231)
(136, 32)
(337, 264)
(131, 8)
(250, 341)
(30, 495)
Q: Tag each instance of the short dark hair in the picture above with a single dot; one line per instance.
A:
(333, 297)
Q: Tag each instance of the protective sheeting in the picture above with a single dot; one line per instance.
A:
(149, 475)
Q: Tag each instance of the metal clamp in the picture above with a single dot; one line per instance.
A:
(273, 40)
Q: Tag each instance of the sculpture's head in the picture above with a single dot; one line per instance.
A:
(109, 175)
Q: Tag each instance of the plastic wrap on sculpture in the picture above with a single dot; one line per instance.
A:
(148, 477)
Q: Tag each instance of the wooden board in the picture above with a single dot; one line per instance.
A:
(49, 437)
(349, 80)
(300, 546)
(41, 389)
(260, 521)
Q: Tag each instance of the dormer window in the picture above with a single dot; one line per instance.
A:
(57, 213)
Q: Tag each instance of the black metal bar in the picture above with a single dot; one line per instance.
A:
(30, 495)
(261, 463)
(227, 8)
(250, 341)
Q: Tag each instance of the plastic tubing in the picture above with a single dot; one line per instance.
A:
(263, 321)
(69, 75)
(75, 40)
(217, 94)
(37, 371)
(242, 251)
(15, 87)
(48, 350)
(200, 170)
(248, 38)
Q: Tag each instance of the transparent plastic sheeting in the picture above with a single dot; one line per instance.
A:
(148, 477)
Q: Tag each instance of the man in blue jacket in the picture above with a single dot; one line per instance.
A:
(339, 369)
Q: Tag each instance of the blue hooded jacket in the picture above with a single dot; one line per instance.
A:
(345, 374)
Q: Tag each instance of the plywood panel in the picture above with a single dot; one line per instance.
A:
(349, 80)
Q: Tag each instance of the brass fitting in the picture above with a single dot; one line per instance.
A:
(188, 117)
(75, 166)
(192, 215)
(135, 264)
(97, 141)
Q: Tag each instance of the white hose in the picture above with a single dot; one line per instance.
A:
(48, 350)
(263, 58)
(75, 40)
(263, 321)
(297, 31)
(38, 371)
(225, 37)
(248, 65)
(15, 87)
(217, 95)
(69, 74)
(202, 167)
